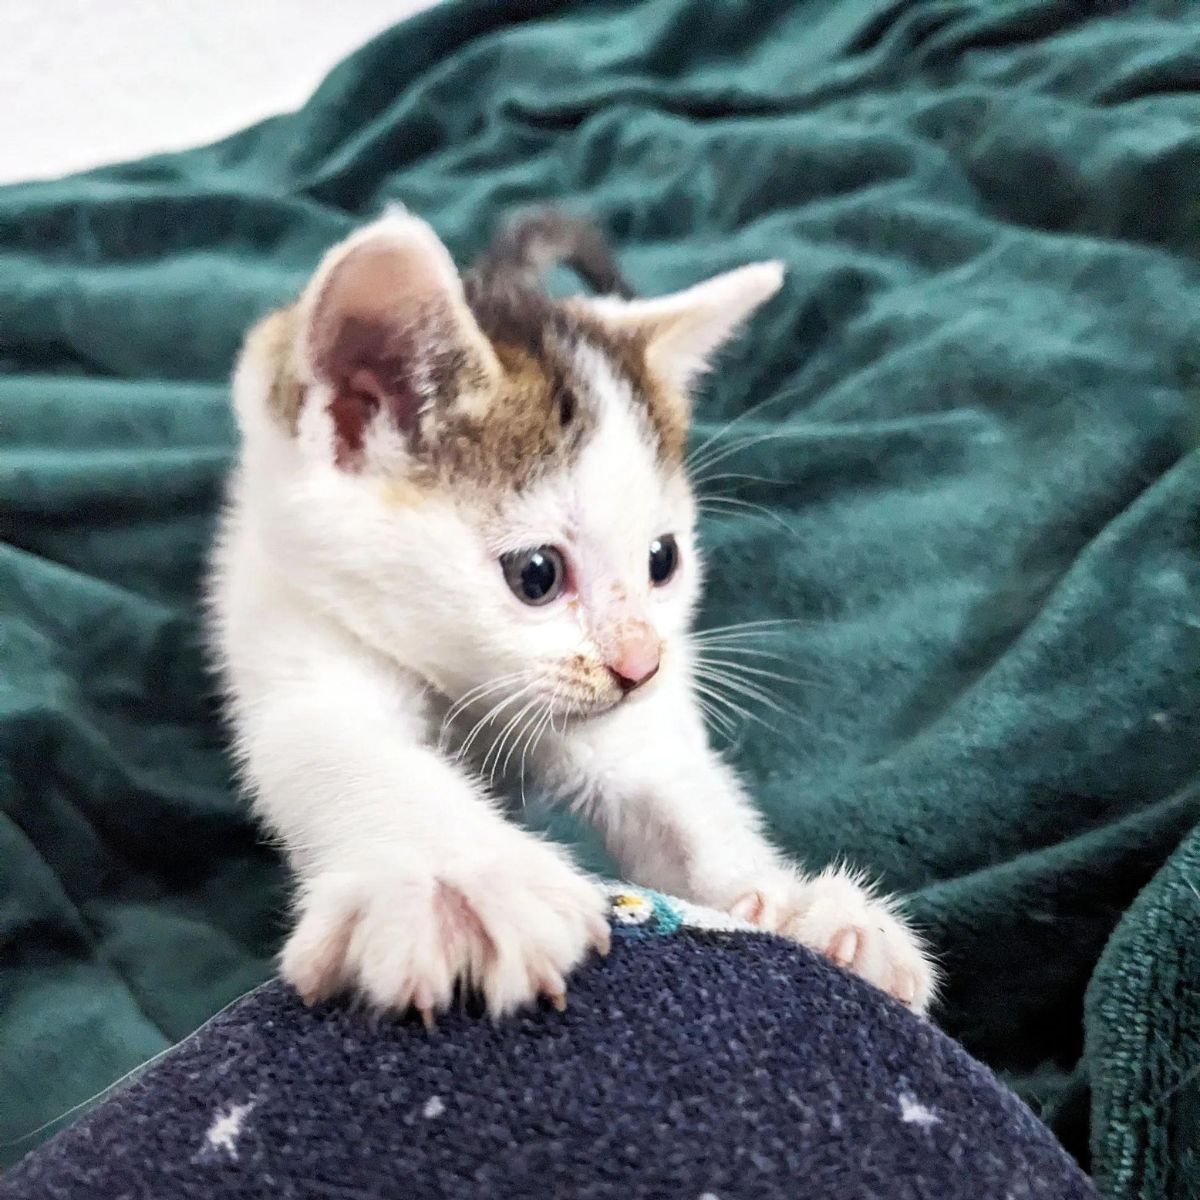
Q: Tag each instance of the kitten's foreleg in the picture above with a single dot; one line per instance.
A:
(409, 880)
(676, 818)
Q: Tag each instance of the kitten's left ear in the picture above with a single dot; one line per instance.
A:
(681, 332)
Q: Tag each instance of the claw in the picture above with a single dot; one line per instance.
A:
(427, 1019)
(749, 907)
(844, 947)
(904, 986)
(602, 942)
(558, 1000)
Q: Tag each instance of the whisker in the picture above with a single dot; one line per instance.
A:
(521, 768)
(473, 696)
(807, 680)
(759, 672)
(739, 709)
(535, 739)
(747, 688)
(547, 708)
(536, 727)
(764, 625)
(698, 453)
(734, 638)
(716, 699)
(515, 729)
(481, 690)
(716, 717)
(489, 717)
(739, 475)
(497, 747)
(737, 648)
(522, 734)
(725, 452)
(737, 502)
(750, 690)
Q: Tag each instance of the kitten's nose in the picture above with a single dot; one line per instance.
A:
(638, 653)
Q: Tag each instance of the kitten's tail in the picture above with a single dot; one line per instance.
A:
(538, 239)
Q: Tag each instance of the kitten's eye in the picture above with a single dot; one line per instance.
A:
(535, 576)
(664, 558)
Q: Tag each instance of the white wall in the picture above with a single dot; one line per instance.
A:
(85, 82)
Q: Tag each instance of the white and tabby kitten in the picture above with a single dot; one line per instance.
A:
(460, 544)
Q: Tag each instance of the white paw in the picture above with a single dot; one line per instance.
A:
(511, 925)
(835, 915)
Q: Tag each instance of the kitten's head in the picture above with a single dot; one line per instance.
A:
(480, 482)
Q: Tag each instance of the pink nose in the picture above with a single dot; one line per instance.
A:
(637, 655)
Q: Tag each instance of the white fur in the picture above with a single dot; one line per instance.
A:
(349, 626)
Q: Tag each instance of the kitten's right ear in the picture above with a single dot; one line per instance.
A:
(385, 327)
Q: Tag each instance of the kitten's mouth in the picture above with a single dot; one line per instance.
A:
(580, 712)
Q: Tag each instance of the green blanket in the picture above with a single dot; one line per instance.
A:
(982, 501)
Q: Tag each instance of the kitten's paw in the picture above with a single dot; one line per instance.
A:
(838, 917)
(511, 925)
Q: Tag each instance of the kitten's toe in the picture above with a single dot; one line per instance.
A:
(905, 986)
(754, 907)
(601, 935)
(314, 958)
(843, 948)
(865, 935)
(836, 916)
(542, 928)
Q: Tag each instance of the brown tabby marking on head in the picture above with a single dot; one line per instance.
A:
(520, 320)
(271, 342)
(529, 422)
(533, 415)
(625, 349)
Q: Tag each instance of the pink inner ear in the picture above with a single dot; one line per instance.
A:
(351, 409)
(370, 365)
(364, 340)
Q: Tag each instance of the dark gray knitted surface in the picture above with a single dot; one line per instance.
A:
(691, 1065)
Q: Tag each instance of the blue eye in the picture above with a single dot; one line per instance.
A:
(664, 558)
(535, 576)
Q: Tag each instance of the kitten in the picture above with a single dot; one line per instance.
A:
(460, 525)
